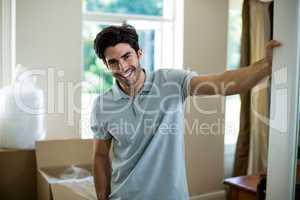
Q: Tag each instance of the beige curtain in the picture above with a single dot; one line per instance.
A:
(251, 150)
(260, 33)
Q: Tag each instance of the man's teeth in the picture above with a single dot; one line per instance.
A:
(127, 74)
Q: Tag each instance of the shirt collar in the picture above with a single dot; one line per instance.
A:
(119, 94)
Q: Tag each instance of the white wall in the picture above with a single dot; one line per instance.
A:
(205, 40)
(48, 38)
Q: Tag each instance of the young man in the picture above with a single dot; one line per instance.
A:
(143, 116)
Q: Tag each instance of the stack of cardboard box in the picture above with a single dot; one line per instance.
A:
(17, 174)
(64, 170)
(55, 170)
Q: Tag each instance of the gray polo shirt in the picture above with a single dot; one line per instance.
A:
(147, 133)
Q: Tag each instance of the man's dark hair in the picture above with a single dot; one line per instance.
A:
(112, 35)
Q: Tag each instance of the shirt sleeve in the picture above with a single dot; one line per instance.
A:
(96, 125)
(183, 78)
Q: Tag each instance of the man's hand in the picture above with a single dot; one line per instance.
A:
(269, 50)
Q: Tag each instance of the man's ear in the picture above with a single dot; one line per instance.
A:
(140, 53)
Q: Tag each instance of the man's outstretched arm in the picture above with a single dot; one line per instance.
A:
(235, 81)
(102, 168)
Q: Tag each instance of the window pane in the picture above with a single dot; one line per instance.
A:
(146, 42)
(232, 115)
(234, 38)
(142, 7)
(232, 118)
(96, 78)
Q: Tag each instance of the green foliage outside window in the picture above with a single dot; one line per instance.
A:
(234, 37)
(96, 75)
(142, 7)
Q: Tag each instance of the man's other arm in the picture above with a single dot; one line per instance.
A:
(102, 168)
(235, 81)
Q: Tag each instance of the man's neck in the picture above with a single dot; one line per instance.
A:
(135, 88)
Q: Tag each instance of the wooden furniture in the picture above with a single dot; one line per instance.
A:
(245, 187)
(242, 187)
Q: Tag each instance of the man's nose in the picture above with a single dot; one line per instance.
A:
(123, 66)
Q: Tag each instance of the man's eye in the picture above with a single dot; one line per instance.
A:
(127, 56)
(113, 62)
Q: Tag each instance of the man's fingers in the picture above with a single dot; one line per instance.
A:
(270, 46)
(273, 43)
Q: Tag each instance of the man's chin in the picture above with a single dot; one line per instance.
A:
(130, 81)
(127, 82)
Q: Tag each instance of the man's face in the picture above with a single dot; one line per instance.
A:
(124, 63)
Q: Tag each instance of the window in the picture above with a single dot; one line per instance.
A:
(158, 27)
(233, 103)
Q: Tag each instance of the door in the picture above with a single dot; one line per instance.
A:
(284, 116)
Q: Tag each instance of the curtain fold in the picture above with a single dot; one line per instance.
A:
(252, 144)
(260, 94)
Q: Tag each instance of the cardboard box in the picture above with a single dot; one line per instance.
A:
(64, 170)
(17, 174)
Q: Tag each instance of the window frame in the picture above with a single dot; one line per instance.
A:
(173, 17)
(7, 44)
